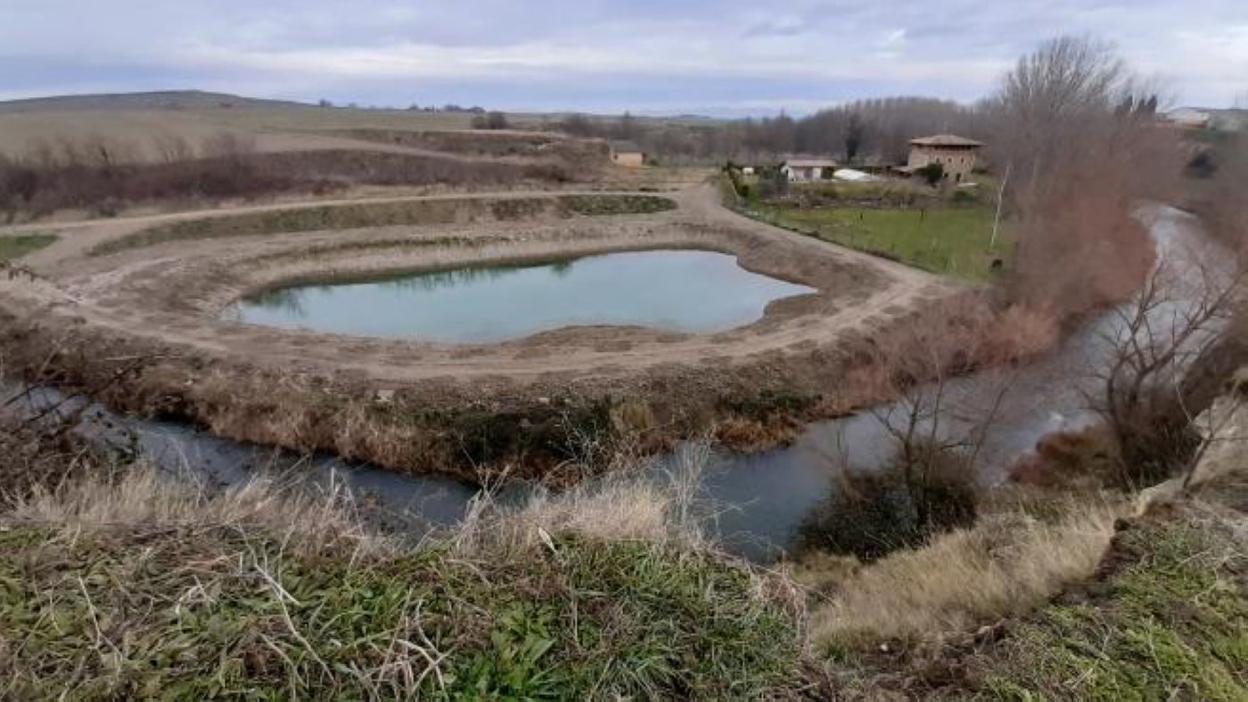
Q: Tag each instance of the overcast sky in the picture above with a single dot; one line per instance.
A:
(658, 56)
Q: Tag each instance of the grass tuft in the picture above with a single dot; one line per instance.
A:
(1171, 622)
(1006, 564)
(16, 246)
(617, 204)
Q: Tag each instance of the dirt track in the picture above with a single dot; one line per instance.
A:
(166, 299)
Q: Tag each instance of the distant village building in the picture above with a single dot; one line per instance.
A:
(1188, 117)
(627, 154)
(806, 170)
(1196, 118)
(958, 155)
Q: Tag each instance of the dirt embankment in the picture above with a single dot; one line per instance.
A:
(140, 327)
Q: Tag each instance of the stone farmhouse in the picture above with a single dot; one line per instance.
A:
(958, 155)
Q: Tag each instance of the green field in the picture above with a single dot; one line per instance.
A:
(14, 247)
(945, 239)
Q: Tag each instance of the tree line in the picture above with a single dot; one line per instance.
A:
(872, 131)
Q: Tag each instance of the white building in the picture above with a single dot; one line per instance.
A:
(853, 175)
(806, 170)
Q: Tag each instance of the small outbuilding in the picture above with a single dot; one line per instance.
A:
(957, 155)
(800, 170)
(627, 154)
(853, 175)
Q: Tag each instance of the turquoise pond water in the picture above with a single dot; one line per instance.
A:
(686, 291)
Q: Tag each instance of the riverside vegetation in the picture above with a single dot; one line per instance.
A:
(120, 581)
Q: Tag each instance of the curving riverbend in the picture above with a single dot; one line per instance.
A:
(760, 499)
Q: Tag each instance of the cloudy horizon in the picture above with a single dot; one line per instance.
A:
(729, 57)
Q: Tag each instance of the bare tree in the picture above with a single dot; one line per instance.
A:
(936, 432)
(1079, 166)
(1182, 313)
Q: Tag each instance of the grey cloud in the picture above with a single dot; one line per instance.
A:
(582, 54)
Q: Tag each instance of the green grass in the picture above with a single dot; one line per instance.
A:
(193, 613)
(943, 231)
(617, 204)
(1172, 623)
(14, 247)
(944, 239)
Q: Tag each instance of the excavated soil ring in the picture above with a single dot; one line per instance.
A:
(166, 299)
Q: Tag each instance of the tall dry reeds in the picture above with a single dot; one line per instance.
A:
(623, 505)
(1004, 565)
(145, 497)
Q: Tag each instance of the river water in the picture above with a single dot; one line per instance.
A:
(759, 500)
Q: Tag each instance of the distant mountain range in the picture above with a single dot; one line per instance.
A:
(163, 99)
(200, 99)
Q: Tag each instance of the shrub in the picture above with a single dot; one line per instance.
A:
(963, 197)
(772, 183)
(490, 120)
(933, 173)
(871, 515)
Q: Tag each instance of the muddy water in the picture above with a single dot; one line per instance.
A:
(685, 291)
(759, 500)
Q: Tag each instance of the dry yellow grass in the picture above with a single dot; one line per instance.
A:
(142, 496)
(625, 505)
(1006, 564)
(622, 505)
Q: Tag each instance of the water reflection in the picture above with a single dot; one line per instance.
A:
(288, 301)
(688, 291)
(434, 280)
